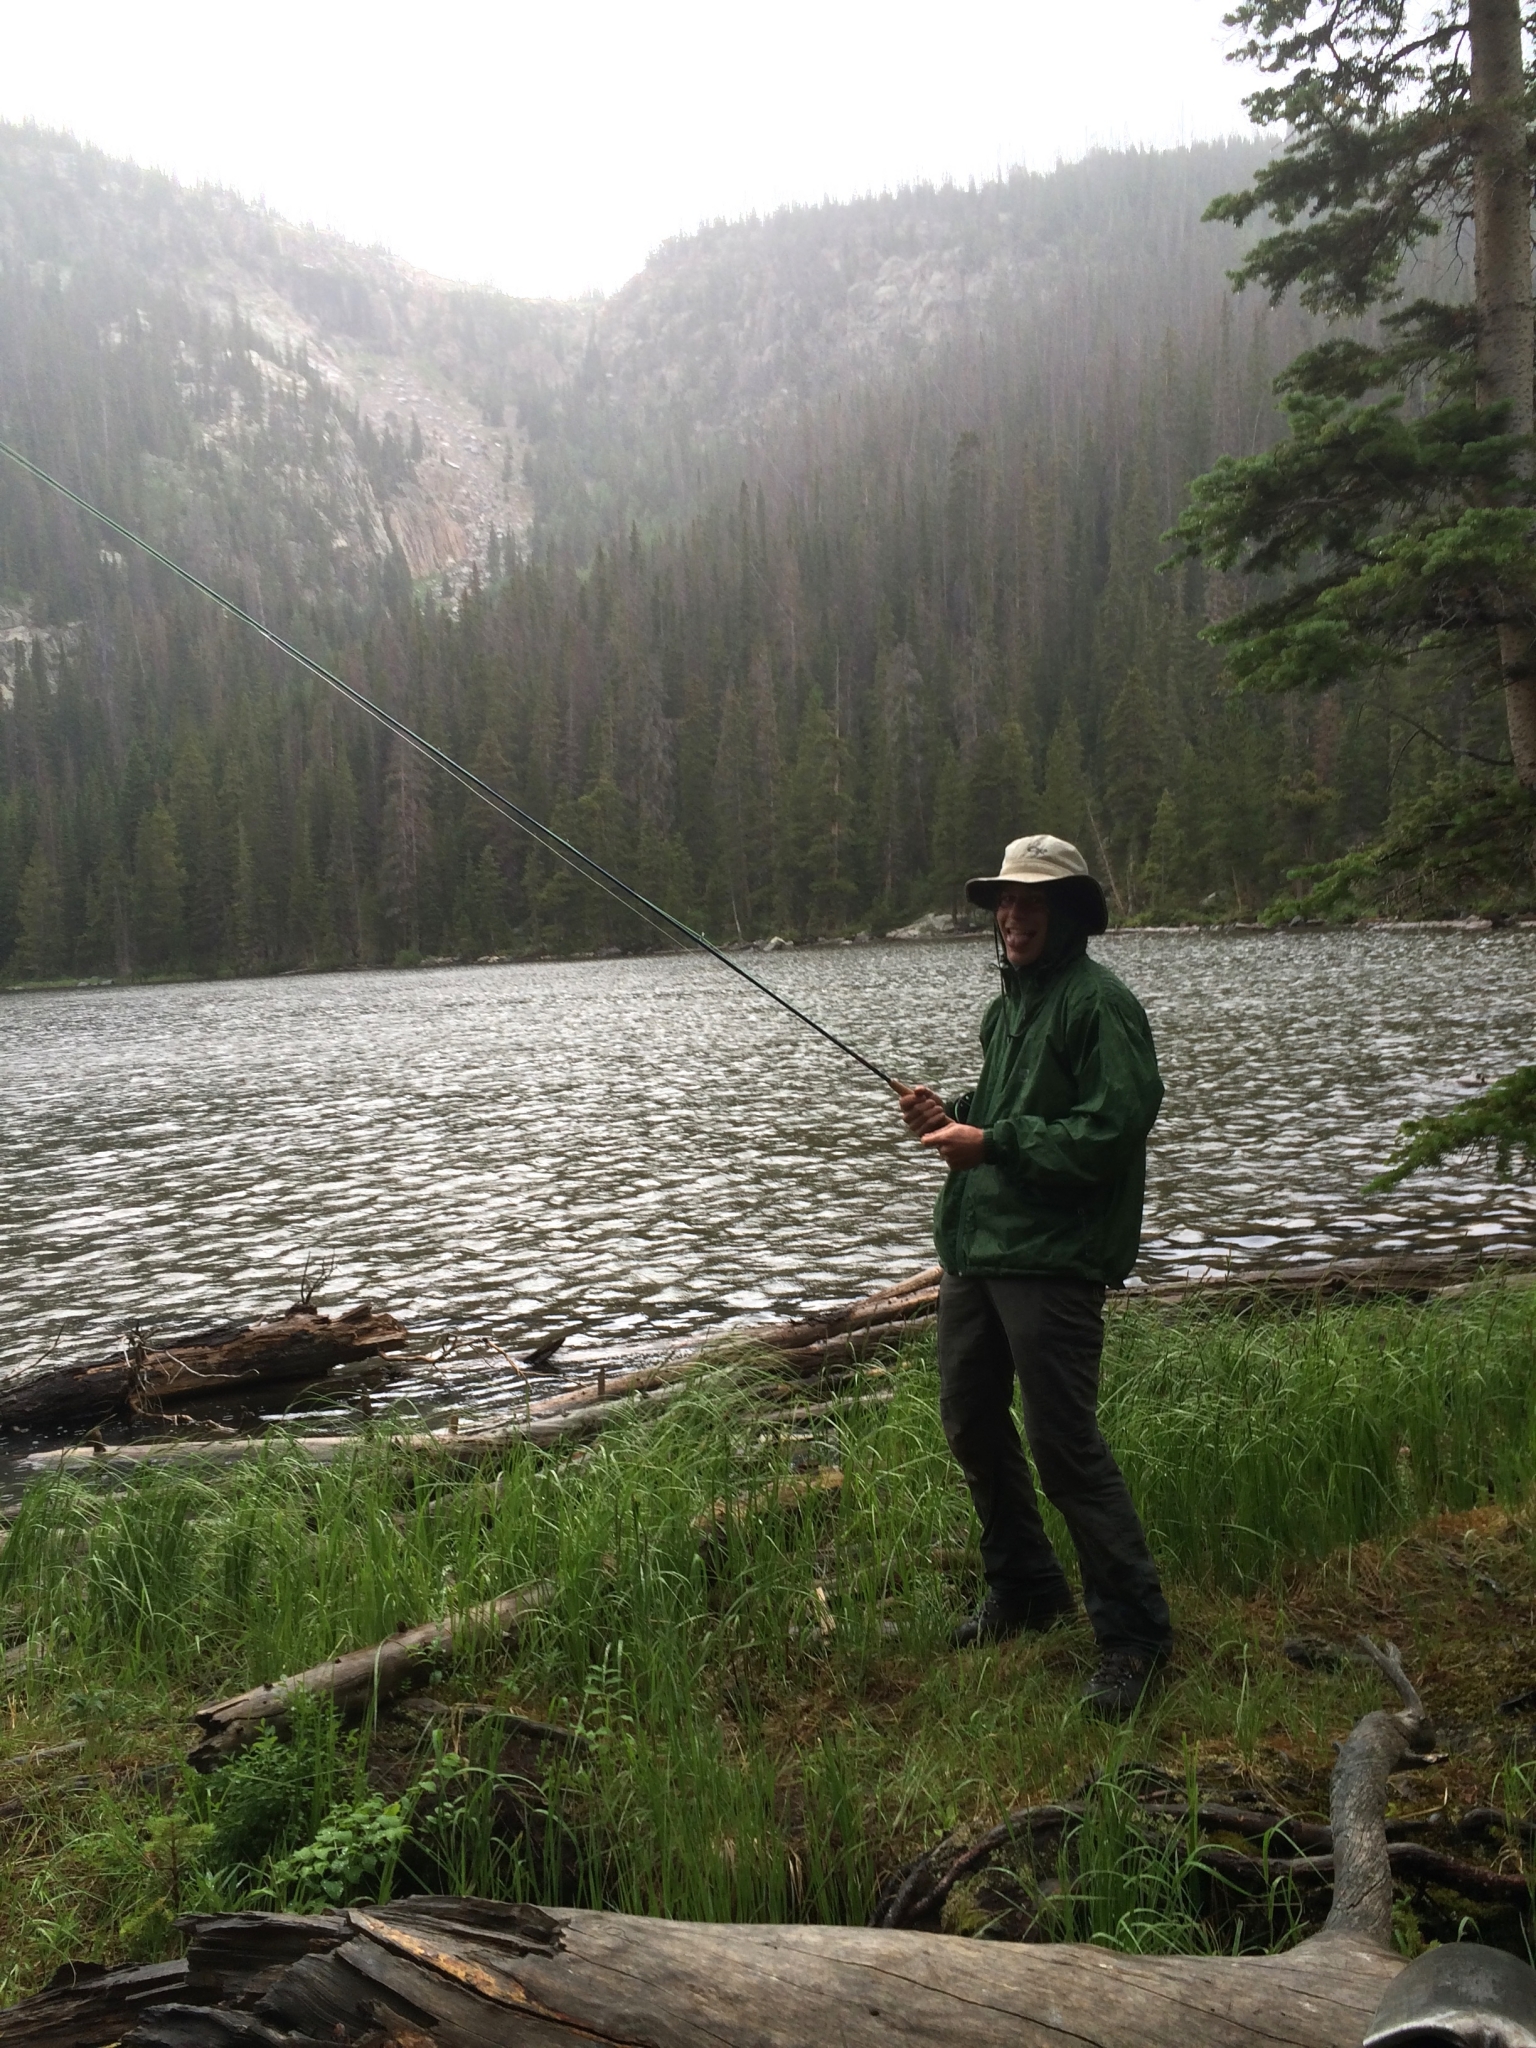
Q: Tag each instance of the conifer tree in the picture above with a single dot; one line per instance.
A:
(1133, 771)
(194, 809)
(999, 785)
(42, 948)
(821, 813)
(157, 891)
(1164, 871)
(1064, 797)
(1394, 529)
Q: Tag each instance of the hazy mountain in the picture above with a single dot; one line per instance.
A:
(280, 401)
(273, 397)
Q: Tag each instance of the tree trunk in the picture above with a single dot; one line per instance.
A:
(468, 1974)
(1501, 207)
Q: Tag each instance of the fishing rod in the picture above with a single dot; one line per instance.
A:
(624, 893)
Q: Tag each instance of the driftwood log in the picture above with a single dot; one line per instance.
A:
(825, 1348)
(360, 1679)
(466, 1973)
(1413, 1276)
(145, 1374)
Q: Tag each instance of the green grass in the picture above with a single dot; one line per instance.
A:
(1252, 1441)
(774, 1721)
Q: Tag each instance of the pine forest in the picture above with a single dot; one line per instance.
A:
(795, 636)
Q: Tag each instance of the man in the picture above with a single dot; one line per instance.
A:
(1040, 1213)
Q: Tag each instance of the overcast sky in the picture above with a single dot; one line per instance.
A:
(547, 149)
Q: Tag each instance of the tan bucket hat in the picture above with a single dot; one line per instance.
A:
(1043, 859)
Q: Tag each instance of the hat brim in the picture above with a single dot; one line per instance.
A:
(982, 889)
(1083, 896)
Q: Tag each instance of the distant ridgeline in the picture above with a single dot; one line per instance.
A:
(791, 581)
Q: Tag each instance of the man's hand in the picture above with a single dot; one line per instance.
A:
(922, 1111)
(960, 1146)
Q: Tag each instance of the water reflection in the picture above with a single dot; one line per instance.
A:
(637, 1146)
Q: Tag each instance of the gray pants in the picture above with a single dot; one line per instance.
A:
(1050, 1334)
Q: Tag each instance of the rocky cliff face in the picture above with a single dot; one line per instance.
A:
(346, 387)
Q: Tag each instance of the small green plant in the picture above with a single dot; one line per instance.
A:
(351, 1858)
(462, 1840)
(262, 1803)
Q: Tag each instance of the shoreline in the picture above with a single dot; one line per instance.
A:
(1296, 927)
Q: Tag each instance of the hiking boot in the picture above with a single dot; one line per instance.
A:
(1120, 1682)
(994, 1621)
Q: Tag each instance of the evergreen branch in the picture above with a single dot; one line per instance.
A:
(1381, 139)
(1347, 479)
(1501, 1120)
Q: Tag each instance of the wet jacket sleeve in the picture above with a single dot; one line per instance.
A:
(1108, 1050)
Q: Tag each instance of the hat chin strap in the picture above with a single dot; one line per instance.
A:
(1000, 953)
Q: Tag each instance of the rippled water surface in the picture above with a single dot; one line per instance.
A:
(641, 1146)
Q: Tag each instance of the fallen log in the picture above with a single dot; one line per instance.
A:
(853, 1346)
(87, 2006)
(1411, 1275)
(908, 1298)
(464, 1446)
(303, 1344)
(359, 1679)
(466, 1973)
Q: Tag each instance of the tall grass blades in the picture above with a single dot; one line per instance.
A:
(1248, 1440)
(757, 1664)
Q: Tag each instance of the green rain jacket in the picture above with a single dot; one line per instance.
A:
(1069, 1089)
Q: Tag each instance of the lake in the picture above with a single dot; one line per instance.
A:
(635, 1148)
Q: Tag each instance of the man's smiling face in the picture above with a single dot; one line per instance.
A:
(1023, 913)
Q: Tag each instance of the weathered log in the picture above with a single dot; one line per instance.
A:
(463, 1445)
(303, 1344)
(1357, 1806)
(464, 1973)
(359, 1679)
(188, 1450)
(87, 2006)
(854, 1345)
(1412, 1275)
(913, 1297)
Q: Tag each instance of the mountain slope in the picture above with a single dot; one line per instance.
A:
(276, 400)
(303, 407)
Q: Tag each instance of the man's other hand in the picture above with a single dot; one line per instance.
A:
(922, 1111)
(960, 1146)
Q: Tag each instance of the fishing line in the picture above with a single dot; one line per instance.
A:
(583, 864)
